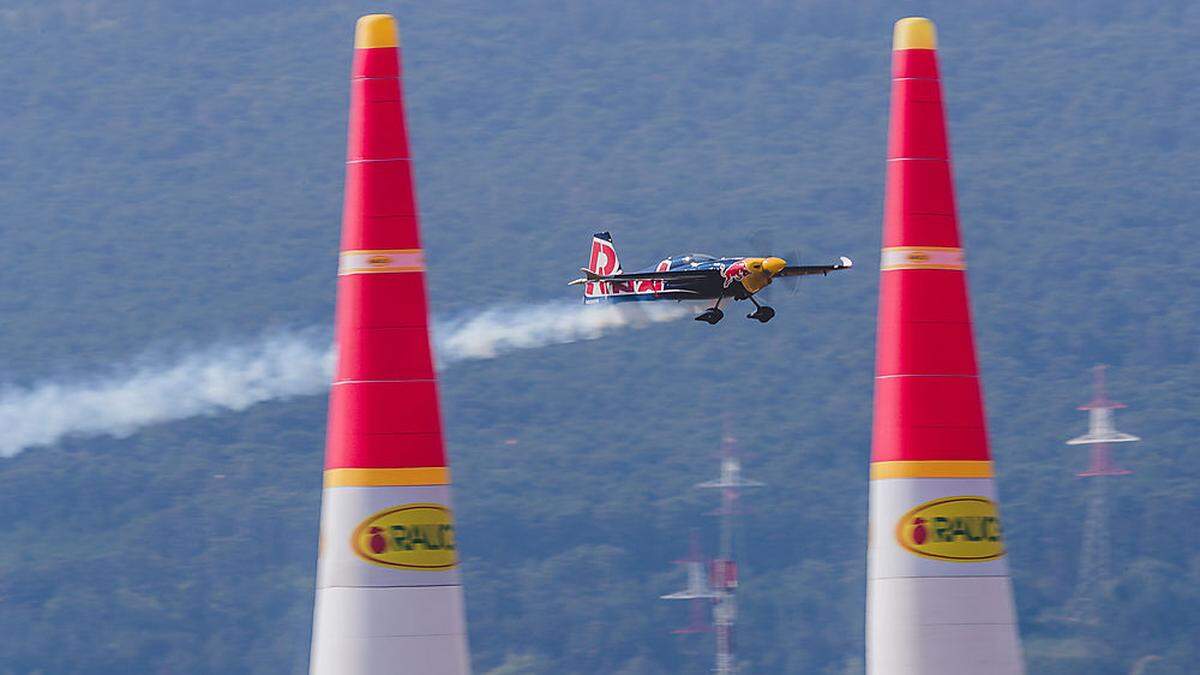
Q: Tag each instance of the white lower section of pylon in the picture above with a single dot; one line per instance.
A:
(942, 626)
(402, 631)
(374, 618)
(928, 616)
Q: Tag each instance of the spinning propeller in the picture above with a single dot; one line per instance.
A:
(762, 240)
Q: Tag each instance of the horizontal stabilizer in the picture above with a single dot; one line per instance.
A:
(588, 275)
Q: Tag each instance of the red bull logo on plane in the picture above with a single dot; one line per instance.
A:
(954, 529)
(735, 272)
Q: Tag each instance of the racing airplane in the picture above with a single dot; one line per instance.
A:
(695, 278)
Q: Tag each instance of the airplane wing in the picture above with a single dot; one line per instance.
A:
(665, 275)
(804, 270)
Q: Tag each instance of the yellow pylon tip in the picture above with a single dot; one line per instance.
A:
(914, 32)
(376, 30)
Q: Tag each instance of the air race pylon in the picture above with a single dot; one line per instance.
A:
(939, 598)
(389, 596)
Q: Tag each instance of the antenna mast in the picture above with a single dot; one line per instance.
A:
(1096, 552)
(720, 587)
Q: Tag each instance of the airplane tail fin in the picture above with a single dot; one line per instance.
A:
(602, 261)
(603, 258)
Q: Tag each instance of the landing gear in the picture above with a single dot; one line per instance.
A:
(761, 312)
(713, 314)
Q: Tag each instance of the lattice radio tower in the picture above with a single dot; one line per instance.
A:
(1095, 555)
(721, 585)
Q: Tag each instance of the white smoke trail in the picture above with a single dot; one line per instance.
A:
(276, 367)
(229, 378)
(488, 334)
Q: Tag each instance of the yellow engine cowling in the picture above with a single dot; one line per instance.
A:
(761, 271)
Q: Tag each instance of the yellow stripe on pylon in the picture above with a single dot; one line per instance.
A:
(932, 469)
(922, 258)
(432, 475)
(381, 261)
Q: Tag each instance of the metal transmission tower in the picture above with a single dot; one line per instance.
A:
(1095, 552)
(721, 585)
(698, 593)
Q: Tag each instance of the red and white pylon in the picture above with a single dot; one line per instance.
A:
(939, 597)
(389, 594)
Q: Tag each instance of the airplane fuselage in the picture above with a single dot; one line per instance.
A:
(736, 280)
(704, 280)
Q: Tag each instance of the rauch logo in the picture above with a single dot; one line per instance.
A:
(955, 529)
(412, 536)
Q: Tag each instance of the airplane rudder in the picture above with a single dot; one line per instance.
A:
(603, 257)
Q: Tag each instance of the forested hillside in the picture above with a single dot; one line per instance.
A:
(171, 178)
